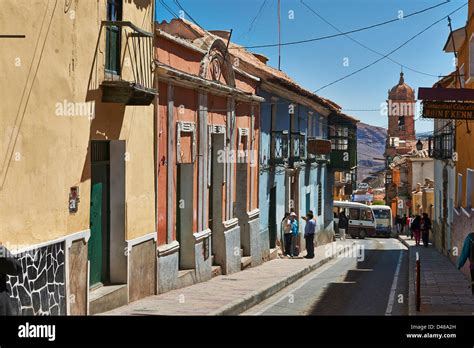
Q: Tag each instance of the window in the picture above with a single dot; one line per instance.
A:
(366, 215)
(401, 123)
(279, 145)
(274, 117)
(459, 191)
(339, 131)
(354, 213)
(382, 213)
(469, 187)
(302, 144)
(312, 125)
(340, 144)
(113, 38)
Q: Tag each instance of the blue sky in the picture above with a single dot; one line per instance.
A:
(316, 64)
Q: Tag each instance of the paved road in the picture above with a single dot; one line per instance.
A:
(370, 280)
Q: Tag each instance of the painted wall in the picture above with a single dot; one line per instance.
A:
(43, 154)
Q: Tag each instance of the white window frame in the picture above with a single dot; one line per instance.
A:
(459, 191)
(471, 60)
(469, 188)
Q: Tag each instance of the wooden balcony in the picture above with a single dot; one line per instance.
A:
(128, 66)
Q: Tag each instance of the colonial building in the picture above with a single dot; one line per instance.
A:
(442, 150)
(207, 170)
(342, 131)
(458, 156)
(293, 154)
(408, 163)
(77, 201)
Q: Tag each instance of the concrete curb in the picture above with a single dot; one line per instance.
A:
(254, 298)
(411, 285)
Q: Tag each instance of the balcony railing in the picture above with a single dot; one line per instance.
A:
(128, 66)
(279, 146)
(441, 146)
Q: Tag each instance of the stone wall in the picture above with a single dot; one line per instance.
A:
(40, 288)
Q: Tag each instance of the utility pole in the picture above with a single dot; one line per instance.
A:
(279, 35)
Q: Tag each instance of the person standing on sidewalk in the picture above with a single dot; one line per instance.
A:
(415, 227)
(342, 224)
(286, 228)
(8, 266)
(468, 253)
(309, 231)
(294, 234)
(425, 229)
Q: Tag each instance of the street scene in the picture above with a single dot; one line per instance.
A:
(239, 158)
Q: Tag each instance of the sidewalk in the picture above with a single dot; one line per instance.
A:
(444, 289)
(235, 293)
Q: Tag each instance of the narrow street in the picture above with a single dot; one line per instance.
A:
(346, 286)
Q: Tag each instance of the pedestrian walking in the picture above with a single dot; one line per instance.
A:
(8, 266)
(309, 231)
(415, 227)
(425, 229)
(468, 253)
(403, 222)
(412, 218)
(294, 234)
(342, 224)
(286, 228)
(398, 223)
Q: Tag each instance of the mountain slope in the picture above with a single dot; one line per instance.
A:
(370, 146)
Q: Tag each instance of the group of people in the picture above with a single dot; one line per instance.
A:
(290, 230)
(417, 227)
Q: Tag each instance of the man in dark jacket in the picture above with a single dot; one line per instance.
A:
(342, 224)
(8, 266)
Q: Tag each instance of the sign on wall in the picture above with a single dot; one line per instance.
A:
(448, 110)
(319, 146)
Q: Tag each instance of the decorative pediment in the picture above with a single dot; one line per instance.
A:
(216, 64)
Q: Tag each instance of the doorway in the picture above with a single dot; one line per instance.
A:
(272, 224)
(99, 242)
(107, 244)
(216, 175)
(184, 215)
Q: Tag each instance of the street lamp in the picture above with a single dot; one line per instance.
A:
(419, 145)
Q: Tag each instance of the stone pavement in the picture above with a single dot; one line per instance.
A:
(233, 294)
(444, 289)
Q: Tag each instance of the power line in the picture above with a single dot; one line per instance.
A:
(186, 12)
(391, 52)
(344, 33)
(363, 45)
(169, 9)
(256, 16)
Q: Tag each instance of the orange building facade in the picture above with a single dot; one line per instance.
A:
(207, 157)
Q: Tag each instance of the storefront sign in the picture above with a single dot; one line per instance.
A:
(319, 146)
(448, 110)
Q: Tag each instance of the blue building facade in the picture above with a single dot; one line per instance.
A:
(291, 178)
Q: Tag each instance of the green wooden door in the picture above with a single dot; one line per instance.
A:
(95, 241)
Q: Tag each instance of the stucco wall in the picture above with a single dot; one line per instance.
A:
(50, 152)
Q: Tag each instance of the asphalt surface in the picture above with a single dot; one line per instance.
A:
(371, 279)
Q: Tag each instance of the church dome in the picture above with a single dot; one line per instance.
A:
(401, 91)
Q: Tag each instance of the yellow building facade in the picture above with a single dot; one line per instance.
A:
(64, 131)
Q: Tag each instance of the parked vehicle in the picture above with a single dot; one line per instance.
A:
(361, 218)
(383, 220)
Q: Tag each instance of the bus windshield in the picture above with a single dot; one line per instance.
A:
(382, 214)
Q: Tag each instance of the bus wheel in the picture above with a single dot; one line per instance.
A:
(362, 234)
